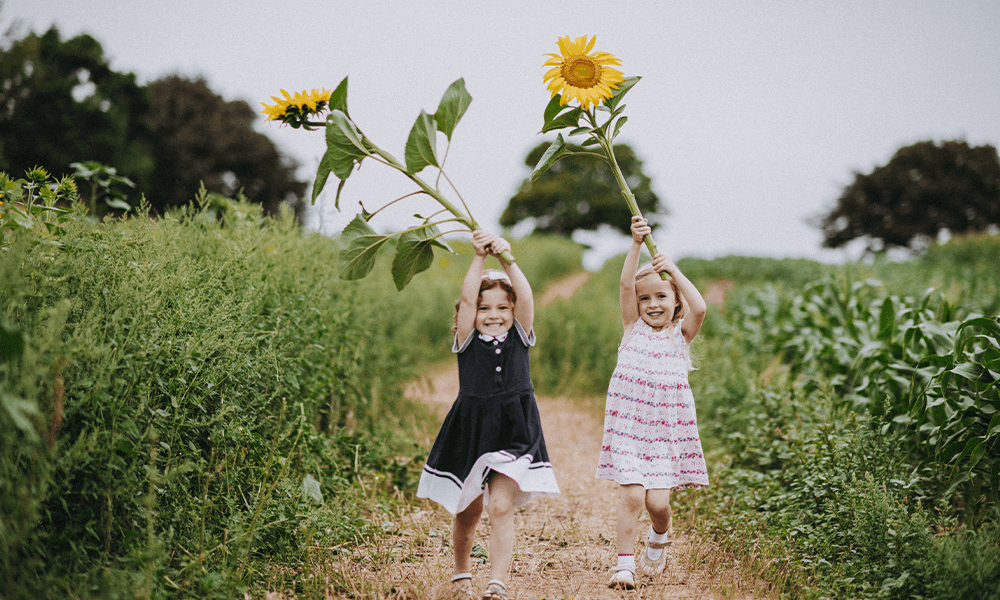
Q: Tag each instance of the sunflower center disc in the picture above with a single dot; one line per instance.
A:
(581, 71)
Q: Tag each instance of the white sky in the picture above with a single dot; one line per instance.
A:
(750, 119)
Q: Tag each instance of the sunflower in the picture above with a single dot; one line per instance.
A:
(579, 74)
(296, 109)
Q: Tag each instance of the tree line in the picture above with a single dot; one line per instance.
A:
(61, 103)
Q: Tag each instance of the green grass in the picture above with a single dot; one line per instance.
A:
(179, 380)
(171, 389)
(824, 486)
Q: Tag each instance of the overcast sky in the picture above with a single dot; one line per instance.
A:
(750, 117)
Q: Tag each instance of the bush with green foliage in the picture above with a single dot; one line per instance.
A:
(192, 397)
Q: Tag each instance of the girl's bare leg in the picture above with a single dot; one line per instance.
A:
(629, 507)
(463, 534)
(658, 506)
(503, 491)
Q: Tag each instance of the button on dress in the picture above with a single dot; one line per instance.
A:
(492, 426)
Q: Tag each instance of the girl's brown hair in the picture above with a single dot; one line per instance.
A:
(488, 283)
(681, 308)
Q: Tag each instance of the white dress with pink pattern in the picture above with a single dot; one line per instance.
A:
(650, 428)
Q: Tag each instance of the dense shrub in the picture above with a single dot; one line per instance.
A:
(187, 391)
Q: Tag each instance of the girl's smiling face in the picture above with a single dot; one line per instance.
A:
(495, 313)
(657, 301)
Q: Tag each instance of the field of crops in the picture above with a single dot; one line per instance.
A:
(851, 415)
(192, 405)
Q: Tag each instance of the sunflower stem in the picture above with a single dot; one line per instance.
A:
(391, 203)
(464, 219)
(626, 192)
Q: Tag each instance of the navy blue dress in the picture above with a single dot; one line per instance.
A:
(492, 426)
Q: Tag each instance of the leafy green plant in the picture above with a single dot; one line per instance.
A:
(31, 205)
(177, 380)
(347, 147)
(105, 184)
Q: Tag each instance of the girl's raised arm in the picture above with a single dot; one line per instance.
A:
(626, 291)
(524, 308)
(696, 307)
(468, 302)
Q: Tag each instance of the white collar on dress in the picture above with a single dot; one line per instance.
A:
(490, 338)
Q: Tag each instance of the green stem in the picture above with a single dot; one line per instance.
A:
(626, 192)
(433, 192)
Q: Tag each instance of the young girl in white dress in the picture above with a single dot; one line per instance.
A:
(651, 444)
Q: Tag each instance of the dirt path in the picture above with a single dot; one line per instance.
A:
(565, 545)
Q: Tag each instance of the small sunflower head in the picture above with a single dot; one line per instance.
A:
(577, 73)
(296, 110)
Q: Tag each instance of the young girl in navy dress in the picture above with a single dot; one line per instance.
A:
(490, 451)
(651, 443)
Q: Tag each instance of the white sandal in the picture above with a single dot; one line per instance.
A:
(622, 578)
(649, 566)
(464, 590)
(495, 590)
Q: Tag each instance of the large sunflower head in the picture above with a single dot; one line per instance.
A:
(578, 73)
(296, 110)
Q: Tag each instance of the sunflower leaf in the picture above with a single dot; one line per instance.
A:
(322, 174)
(553, 153)
(421, 146)
(338, 99)
(414, 254)
(570, 118)
(618, 127)
(580, 130)
(347, 130)
(360, 248)
(453, 104)
(553, 108)
(589, 142)
(619, 93)
(344, 149)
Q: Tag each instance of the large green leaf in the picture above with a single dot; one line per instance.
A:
(570, 118)
(345, 130)
(618, 94)
(553, 153)
(344, 149)
(414, 254)
(322, 174)
(360, 249)
(553, 108)
(338, 98)
(421, 146)
(453, 104)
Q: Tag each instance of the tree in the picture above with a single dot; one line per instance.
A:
(580, 192)
(924, 189)
(61, 103)
(200, 137)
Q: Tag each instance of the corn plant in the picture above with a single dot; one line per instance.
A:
(932, 375)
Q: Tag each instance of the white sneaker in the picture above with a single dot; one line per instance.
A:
(649, 566)
(622, 579)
